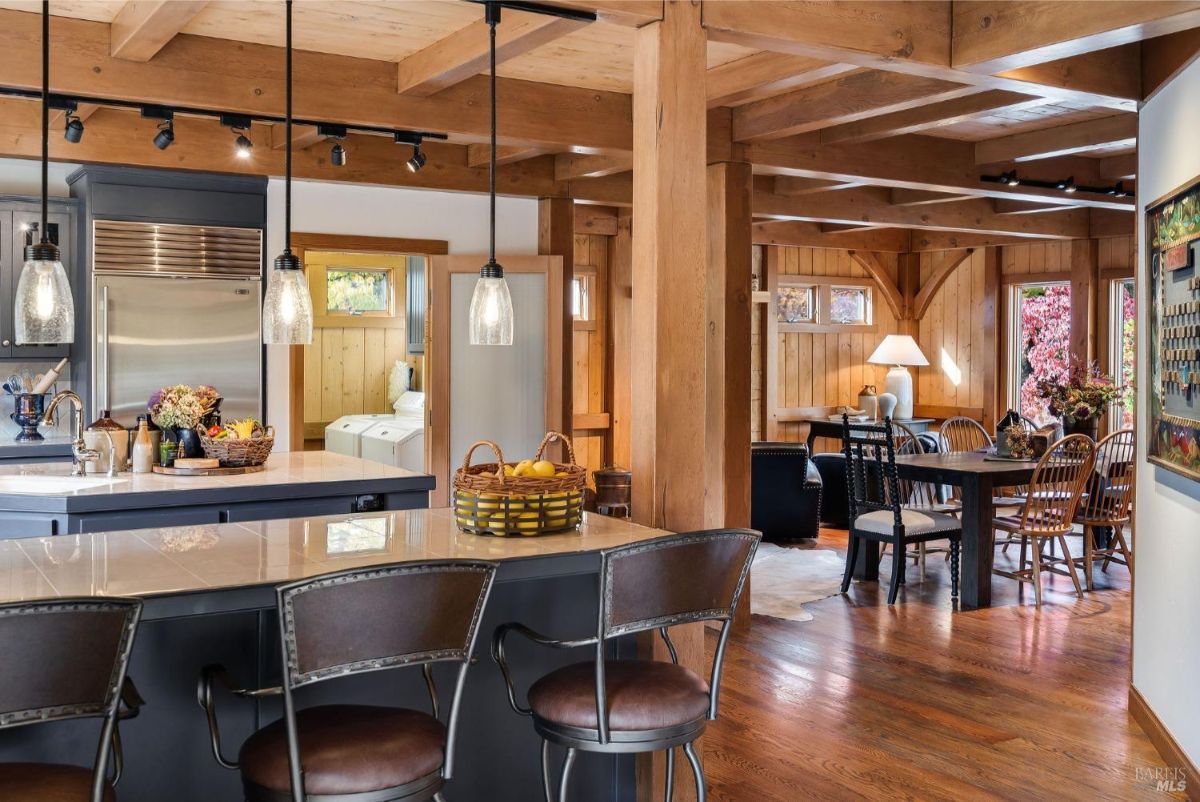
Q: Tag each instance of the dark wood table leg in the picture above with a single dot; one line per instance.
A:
(975, 589)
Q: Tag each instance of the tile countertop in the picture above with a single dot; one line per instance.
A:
(285, 476)
(190, 559)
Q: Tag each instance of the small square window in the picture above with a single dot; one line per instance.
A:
(358, 291)
(850, 305)
(581, 296)
(795, 304)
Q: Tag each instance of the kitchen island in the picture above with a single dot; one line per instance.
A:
(209, 598)
(44, 499)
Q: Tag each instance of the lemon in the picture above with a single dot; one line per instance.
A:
(497, 524)
(542, 468)
(489, 502)
(560, 474)
(527, 523)
(510, 470)
(524, 467)
(516, 503)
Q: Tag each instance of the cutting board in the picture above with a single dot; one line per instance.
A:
(208, 471)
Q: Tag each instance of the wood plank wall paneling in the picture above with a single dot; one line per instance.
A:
(590, 395)
(818, 369)
(346, 373)
(951, 335)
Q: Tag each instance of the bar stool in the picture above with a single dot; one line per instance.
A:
(636, 706)
(403, 615)
(67, 659)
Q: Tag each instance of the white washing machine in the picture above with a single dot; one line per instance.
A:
(399, 442)
(344, 435)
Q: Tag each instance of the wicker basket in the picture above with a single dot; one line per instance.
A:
(487, 502)
(238, 453)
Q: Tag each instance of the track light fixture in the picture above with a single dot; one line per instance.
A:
(1010, 178)
(1067, 185)
(242, 145)
(337, 154)
(73, 130)
(417, 161)
(166, 135)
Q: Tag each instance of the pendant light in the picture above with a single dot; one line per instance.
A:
(491, 316)
(44, 309)
(287, 309)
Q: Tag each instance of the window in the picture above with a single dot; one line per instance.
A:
(850, 305)
(581, 296)
(794, 304)
(1121, 349)
(358, 290)
(1039, 337)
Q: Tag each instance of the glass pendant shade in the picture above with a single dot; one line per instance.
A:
(491, 315)
(44, 310)
(287, 309)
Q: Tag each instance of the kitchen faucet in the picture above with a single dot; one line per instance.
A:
(80, 453)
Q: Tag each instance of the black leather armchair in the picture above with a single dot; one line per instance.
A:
(785, 491)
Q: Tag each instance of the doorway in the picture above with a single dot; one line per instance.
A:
(369, 307)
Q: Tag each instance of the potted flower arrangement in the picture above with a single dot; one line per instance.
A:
(179, 409)
(1080, 397)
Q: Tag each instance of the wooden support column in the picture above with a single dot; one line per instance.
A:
(993, 403)
(770, 346)
(556, 237)
(1085, 285)
(670, 245)
(620, 338)
(908, 280)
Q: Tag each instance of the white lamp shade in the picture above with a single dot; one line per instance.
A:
(898, 349)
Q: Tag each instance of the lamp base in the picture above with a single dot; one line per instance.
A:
(899, 384)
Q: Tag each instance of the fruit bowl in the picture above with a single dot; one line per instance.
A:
(526, 498)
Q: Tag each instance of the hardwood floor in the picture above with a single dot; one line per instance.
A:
(919, 702)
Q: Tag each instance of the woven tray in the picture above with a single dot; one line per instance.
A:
(239, 453)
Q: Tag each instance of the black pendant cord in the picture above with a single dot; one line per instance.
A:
(493, 17)
(45, 118)
(287, 186)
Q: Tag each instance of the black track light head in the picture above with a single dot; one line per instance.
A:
(1067, 185)
(243, 145)
(417, 161)
(73, 130)
(1011, 179)
(165, 136)
(337, 155)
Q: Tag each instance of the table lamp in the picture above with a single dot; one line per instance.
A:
(899, 350)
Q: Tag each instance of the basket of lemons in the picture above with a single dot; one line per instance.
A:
(531, 497)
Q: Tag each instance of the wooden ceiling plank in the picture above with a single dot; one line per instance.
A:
(303, 136)
(144, 27)
(480, 155)
(931, 116)
(851, 207)
(573, 166)
(1002, 206)
(1045, 143)
(852, 97)
(791, 185)
(919, 197)
(1113, 73)
(247, 78)
(765, 74)
(599, 220)
(1107, 223)
(954, 240)
(464, 53)
(1118, 168)
(83, 111)
(991, 36)
(629, 13)
(891, 240)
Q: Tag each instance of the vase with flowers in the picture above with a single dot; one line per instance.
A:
(179, 409)
(1080, 397)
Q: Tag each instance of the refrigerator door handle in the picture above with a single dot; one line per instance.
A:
(102, 368)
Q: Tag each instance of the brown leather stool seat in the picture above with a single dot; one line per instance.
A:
(641, 694)
(47, 782)
(347, 749)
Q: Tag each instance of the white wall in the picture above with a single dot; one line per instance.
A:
(323, 208)
(1166, 636)
(24, 177)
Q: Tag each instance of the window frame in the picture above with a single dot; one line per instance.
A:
(823, 287)
(1012, 327)
(588, 278)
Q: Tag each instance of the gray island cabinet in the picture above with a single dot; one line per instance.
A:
(37, 500)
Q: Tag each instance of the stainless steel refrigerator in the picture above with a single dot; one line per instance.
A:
(176, 304)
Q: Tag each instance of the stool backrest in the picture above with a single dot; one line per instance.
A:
(1110, 488)
(67, 659)
(961, 434)
(872, 481)
(1057, 485)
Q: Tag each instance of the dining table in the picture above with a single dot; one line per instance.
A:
(979, 476)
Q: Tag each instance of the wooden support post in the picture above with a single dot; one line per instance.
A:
(1085, 284)
(770, 346)
(620, 338)
(727, 381)
(670, 245)
(556, 237)
(993, 404)
(908, 280)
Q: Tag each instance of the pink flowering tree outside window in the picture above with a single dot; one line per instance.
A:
(1045, 343)
(1128, 350)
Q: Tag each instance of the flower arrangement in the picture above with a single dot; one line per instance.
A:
(1084, 393)
(182, 406)
(1020, 442)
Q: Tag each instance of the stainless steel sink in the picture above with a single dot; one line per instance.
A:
(42, 484)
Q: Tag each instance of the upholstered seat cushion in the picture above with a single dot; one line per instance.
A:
(47, 782)
(642, 695)
(347, 749)
(916, 522)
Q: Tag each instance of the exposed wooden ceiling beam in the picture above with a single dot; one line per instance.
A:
(953, 240)
(572, 166)
(303, 136)
(851, 207)
(83, 111)
(931, 116)
(247, 78)
(1118, 130)
(877, 270)
(629, 13)
(765, 74)
(1001, 206)
(837, 228)
(991, 36)
(791, 185)
(911, 38)
(921, 162)
(1165, 57)
(845, 99)
(465, 52)
(601, 220)
(892, 240)
(919, 197)
(480, 155)
(1116, 168)
(144, 27)
(1107, 223)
